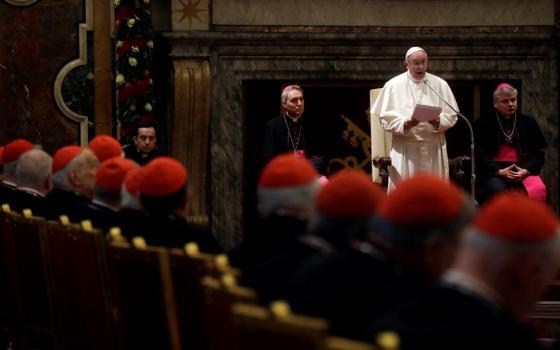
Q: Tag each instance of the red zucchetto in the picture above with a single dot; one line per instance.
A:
(422, 201)
(349, 194)
(516, 217)
(163, 176)
(14, 149)
(287, 170)
(64, 156)
(112, 172)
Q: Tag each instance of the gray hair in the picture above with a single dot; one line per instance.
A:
(296, 198)
(500, 251)
(60, 178)
(33, 168)
(503, 90)
(287, 89)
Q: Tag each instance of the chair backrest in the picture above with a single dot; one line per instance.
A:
(276, 328)
(220, 294)
(81, 292)
(35, 282)
(380, 139)
(11, 309)
(144, 297)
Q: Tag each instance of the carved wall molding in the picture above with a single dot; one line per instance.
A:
(190, 137)
(82, 120)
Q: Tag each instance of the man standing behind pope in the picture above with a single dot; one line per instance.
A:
(417, 147)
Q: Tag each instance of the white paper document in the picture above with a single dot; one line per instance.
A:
(425, 113)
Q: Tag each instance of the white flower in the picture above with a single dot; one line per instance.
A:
(131, 22)
(132, 61)
(151, 81)
(132, 107)
(148, 107)
(135, 49)
(120, 79)
(117, 2)
(150, 44)
(119, 43)
(90, 76)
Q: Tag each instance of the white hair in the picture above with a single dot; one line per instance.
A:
(33, 168)
(296, 198)
(500, 251)
(60, 178)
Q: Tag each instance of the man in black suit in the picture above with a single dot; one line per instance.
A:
(505, 262)
(144, 147)
(291, 132)
(33, 179)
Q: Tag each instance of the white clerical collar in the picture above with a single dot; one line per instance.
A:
(31, 190)
(295, 120)
(104, 205)
(471, 285)
(9, 183)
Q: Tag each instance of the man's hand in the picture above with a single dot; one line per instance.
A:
(410, 123)
(513, 173)
(435, 123)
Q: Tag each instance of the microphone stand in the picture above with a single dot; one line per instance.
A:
(473, 173)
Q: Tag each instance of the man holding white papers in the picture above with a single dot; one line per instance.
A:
(418, 143)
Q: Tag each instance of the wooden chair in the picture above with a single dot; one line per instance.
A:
(35, 282)
(146, 311)
(189, 267)
(220, 294)
(11, 309)
(84, 314)
(380, 146)
(276, 328)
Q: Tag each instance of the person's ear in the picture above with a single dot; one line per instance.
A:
(48, 183)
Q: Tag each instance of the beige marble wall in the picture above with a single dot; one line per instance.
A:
(390, 13)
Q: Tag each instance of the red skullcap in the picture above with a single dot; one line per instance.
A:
(349, 194)
(516, 217)
(14, 149)
(132, 181)
(504, 86)
(64, 156)
(105, 147)
(422, 201)
(111, 173)
(163, 176)
(287, 170)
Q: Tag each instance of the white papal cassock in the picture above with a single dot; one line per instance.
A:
(421, 148)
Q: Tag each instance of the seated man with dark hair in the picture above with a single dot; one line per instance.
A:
(144, 147)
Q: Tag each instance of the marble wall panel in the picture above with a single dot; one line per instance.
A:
(390, 13)
(35, 42)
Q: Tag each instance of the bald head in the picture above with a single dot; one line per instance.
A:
(33, 170)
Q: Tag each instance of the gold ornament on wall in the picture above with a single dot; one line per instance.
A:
(190, 14)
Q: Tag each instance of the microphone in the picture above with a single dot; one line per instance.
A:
(473, 173)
